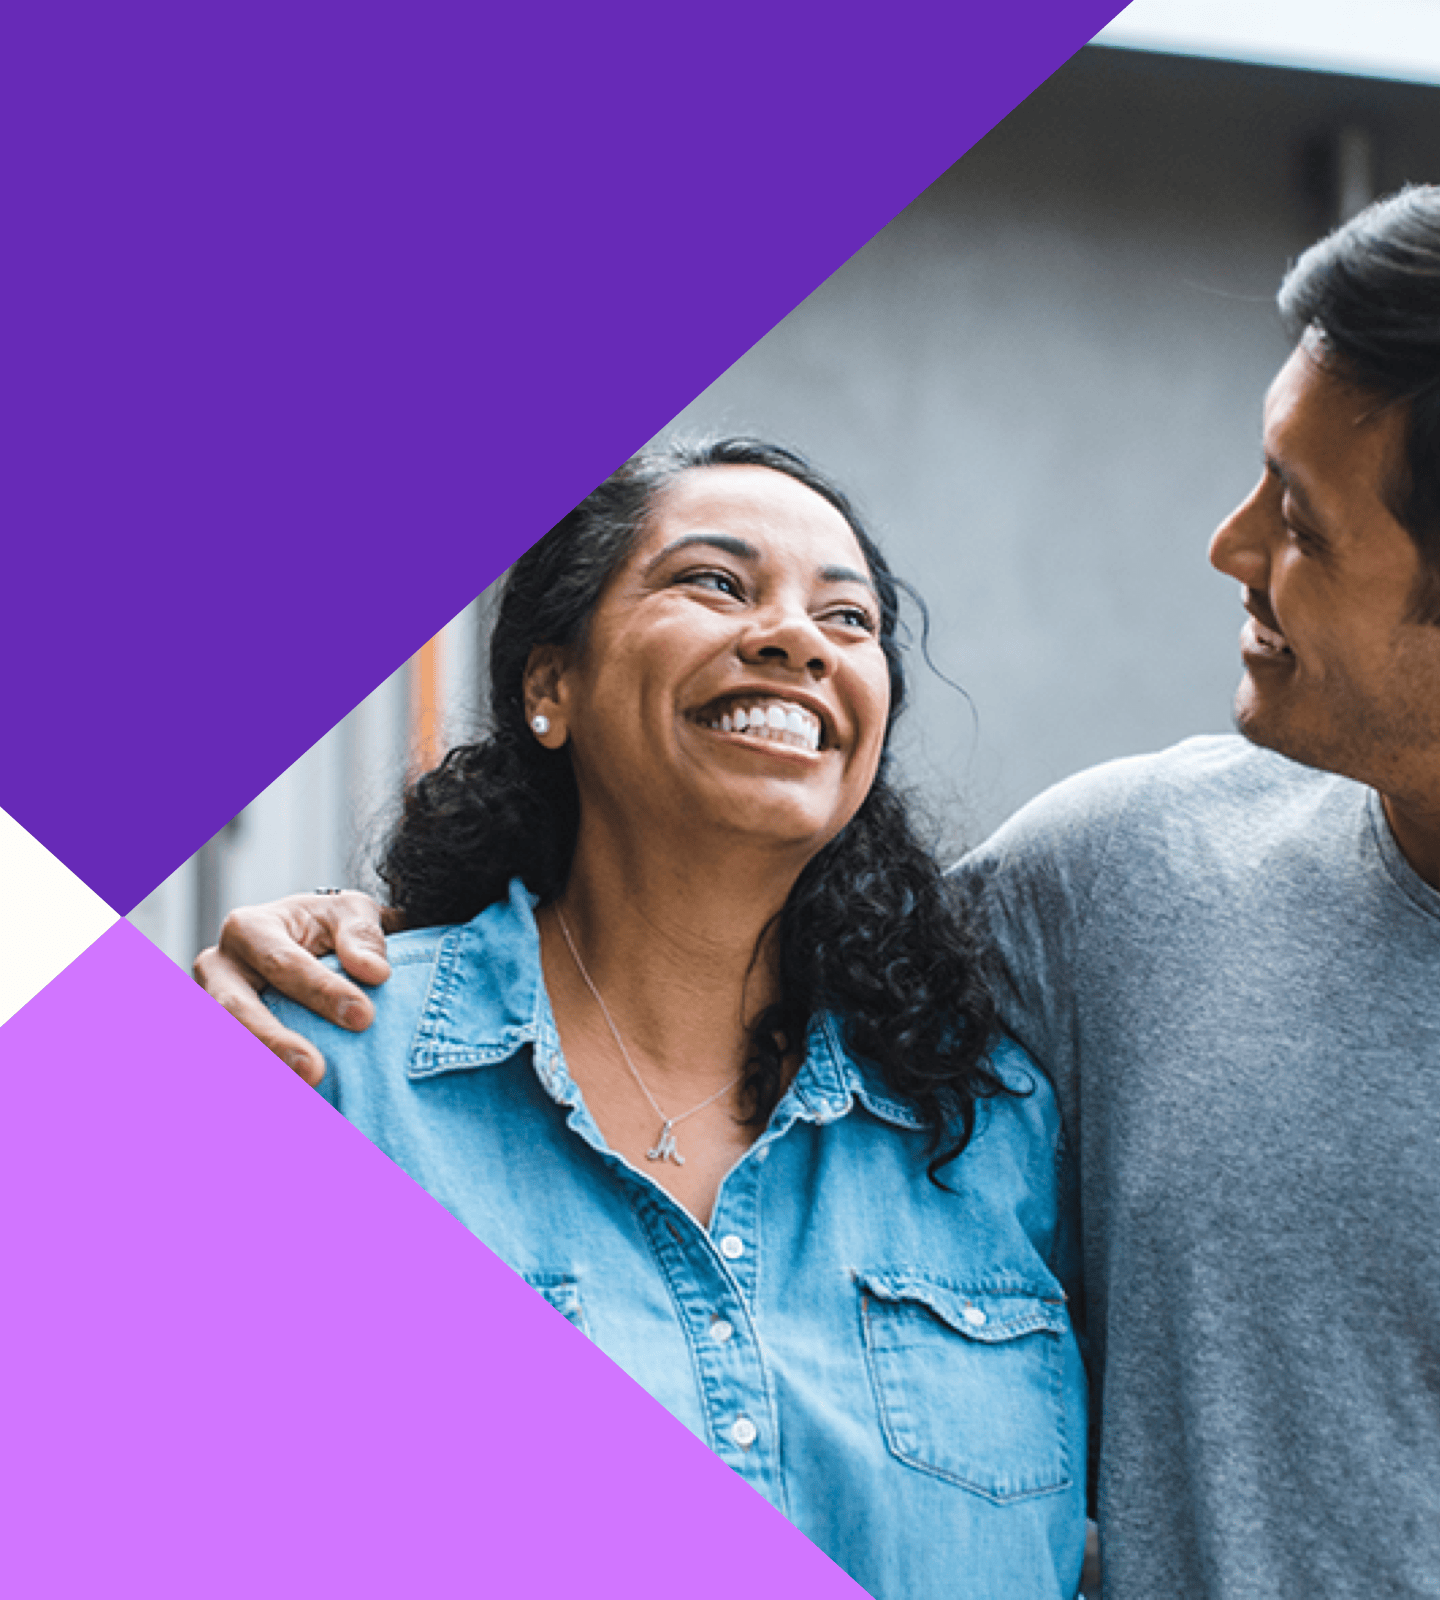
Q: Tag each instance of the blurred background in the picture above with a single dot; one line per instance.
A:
(1043, 384)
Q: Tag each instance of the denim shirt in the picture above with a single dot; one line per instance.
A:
(889, 1363)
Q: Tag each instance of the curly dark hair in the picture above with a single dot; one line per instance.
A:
(869, 933)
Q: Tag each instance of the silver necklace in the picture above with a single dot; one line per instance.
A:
(665, 1146)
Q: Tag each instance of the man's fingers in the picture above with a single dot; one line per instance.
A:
(278, 944)
(238, 991)
(355, 930)
(297, 974)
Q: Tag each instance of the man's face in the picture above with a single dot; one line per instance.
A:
(1338, 675)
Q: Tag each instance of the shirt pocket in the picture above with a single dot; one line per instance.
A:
(969, 1380)
(563, 1293)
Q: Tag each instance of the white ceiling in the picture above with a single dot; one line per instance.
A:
(1370, 38)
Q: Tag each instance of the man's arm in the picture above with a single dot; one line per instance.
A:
(278, 946)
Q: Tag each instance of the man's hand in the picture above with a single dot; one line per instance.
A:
(278, 946)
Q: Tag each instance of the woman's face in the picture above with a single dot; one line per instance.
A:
(731, 686)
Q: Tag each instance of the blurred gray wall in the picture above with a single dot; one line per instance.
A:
(1043, 382)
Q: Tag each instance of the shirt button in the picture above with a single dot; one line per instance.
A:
(974, 1316)
(744, 1432)
(720, 1330)
(732, 1247)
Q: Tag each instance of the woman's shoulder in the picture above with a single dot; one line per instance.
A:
(1018, 1069)
(398, 1003)
(1031, 1099)
(415, 947)
(455, 988)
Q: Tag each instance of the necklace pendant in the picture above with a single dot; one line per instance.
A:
(665, 1148)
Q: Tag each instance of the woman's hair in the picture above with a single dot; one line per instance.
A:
(869, 932)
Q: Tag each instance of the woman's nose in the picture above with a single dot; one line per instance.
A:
(790, 638)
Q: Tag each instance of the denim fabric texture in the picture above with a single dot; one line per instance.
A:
(890, 1364)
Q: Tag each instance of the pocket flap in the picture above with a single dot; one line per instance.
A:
(987, 1312)
(970, 1378)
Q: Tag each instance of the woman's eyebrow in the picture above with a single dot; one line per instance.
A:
(846, 575)
(742, 549)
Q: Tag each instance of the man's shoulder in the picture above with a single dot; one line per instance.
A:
(1201, 777)
(1208, 766)
(1209, 792)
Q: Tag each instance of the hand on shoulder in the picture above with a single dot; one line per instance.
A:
(279, 946)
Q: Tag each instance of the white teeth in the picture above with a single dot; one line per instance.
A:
(786, 724)
(1268, 639)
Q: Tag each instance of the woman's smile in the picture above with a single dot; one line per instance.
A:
(768, 720)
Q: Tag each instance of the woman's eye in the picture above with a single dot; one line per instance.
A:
(853, 617)
(721, 582)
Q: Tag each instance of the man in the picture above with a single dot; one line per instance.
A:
(1228, 955)
(1232, 965)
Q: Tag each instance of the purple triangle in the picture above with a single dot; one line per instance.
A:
(245, 1355)
(318, 317)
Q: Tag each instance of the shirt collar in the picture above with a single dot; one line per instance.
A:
(487, 992)
(487, 1000)
(830, 1081)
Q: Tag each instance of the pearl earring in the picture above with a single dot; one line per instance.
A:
(541, 724)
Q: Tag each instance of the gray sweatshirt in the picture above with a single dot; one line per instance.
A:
(1234, 978)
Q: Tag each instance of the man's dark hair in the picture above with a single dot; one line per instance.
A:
(1371, 291)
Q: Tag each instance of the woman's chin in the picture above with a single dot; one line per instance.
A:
(765, 823)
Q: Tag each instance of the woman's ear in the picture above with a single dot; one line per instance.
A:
(543, 695)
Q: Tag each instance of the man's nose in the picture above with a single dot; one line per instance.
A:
(1239, 547)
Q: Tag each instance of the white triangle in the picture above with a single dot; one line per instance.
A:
(47, 916)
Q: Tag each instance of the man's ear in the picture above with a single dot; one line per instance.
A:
(544, 695)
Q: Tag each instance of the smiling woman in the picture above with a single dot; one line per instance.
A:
(688, 1030)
